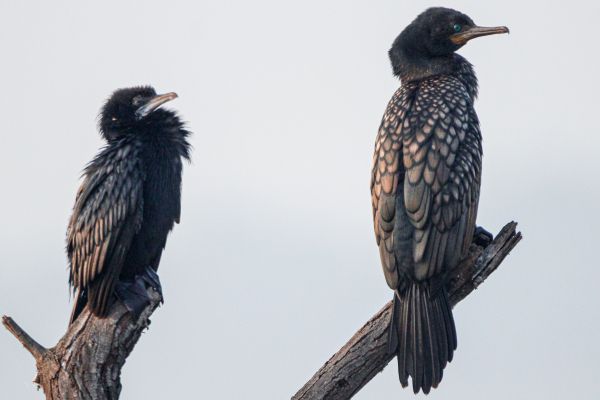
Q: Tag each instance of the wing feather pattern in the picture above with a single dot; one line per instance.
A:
(387, 175)
(107, 214)
(425, 179)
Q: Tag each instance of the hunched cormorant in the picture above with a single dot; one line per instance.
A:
(127, 203)
(425, 187)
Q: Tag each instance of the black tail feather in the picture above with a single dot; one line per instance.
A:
(423, 336)
(97, 297)
(80, 299)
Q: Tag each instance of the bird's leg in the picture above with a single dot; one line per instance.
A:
(481, 237)
(133, 294)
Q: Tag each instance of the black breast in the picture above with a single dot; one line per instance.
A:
(162, 205)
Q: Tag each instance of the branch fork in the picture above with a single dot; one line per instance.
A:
(86, 362)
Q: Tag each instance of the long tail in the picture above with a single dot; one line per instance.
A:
(422, 335)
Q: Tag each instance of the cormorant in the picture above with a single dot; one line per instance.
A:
(425, 186)
(127, 203)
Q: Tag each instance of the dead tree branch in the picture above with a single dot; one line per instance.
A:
(86, 363)
(365, 354)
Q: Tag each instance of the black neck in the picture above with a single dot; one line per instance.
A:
(411, 66)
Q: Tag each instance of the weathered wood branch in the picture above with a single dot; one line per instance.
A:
(87, 361)
(366, 353)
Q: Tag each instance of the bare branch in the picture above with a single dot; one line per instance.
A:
(366, 353)
(86, 363)
(36, 349)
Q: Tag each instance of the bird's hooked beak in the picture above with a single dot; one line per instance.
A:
(153, 103)
(463, 37)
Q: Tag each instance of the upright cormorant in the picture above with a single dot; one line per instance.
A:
(127, 203)
(425, 186)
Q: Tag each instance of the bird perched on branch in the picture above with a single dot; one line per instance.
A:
(425, 186)
(127, 203)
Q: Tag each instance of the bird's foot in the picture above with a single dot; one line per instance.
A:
(133, 293)
(150, 277)
(482, 237)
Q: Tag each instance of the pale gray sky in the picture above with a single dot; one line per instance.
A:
(274, 265)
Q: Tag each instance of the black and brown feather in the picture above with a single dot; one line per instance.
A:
(425, 188)
(129, 200)
(107, 214)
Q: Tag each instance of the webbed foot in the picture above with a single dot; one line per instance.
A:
(133, 294)
(481, 237)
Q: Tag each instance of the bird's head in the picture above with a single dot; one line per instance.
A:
(436, 33)
(133, 111)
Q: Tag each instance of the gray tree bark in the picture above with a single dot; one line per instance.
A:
(86, 363)
(366, 353)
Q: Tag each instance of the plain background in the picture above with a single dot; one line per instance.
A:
(274, 265)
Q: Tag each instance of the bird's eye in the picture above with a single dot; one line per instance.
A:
(137, 100)
(457, 28)
(113, 119)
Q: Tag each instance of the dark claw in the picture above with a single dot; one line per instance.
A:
(482, 237)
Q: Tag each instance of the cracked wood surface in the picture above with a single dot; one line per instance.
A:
(86, 363)
(365, 354)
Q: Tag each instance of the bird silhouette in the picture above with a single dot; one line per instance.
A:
(128, 202)
(425, 187)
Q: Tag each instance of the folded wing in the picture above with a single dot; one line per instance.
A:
(108, 212)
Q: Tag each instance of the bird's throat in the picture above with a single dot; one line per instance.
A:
(413, 67)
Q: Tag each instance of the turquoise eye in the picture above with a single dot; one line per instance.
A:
(457, 28)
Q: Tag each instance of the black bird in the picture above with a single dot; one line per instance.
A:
(425, 186)
(127, 203)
